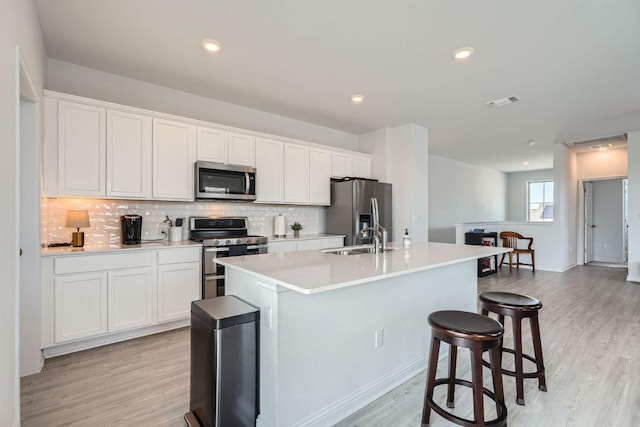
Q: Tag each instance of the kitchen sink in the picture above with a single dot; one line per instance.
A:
(353, 250)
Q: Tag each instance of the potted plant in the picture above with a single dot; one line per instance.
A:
(296, 227)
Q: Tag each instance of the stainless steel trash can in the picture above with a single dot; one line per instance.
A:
(224, 363)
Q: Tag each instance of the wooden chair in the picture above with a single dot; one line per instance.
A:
(510, 239)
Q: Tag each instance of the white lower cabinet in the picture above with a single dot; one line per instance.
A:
(178, 286)
(91, 296)
(80, 306)
(306, 244)
(130, 299)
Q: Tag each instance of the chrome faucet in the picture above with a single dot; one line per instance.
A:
(379, 232)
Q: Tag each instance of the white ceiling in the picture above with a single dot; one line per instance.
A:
(574, 63)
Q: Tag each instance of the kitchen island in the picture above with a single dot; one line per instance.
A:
(339, 331)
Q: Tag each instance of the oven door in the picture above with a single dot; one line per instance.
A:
(219, 181)
(213, 277)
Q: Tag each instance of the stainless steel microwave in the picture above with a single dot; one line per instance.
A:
(225, 182)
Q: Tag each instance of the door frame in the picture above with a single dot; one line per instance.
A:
(580, 223)
(28, 140)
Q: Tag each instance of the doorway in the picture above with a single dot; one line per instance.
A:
(604, 222)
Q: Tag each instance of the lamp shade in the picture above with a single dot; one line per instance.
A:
(77, 218)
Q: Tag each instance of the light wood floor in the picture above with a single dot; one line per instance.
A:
(590, 327)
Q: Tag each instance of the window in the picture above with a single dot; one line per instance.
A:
(540, 201)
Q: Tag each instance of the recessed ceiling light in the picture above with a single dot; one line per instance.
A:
(531, 142)
(525, 163)
(462, 53)
(211, 46)
(357, 99)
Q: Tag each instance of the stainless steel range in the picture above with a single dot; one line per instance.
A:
(222, 237)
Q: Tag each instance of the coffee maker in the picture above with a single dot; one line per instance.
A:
(131, 229)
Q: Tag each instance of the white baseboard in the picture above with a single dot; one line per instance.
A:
(633, 278)
(337, 411)
(86, 344)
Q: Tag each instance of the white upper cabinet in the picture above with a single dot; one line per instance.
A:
(174, 153)
(345, 164)
(296, 174)
(361, 167)
(81, 149)
(269, 171)
(340, 165)
(319, 177)
(98, 149)
(128, 155)
(211, 145)
(241, 149)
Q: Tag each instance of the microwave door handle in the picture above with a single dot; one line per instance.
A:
(247, 181)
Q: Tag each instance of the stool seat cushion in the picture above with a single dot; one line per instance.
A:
(463, 323)
(511, 300)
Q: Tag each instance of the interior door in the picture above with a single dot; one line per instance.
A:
(588, 222)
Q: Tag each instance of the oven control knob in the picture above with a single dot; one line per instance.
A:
(228, 242)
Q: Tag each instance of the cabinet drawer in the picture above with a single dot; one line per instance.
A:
(174, 256)
(82, 264)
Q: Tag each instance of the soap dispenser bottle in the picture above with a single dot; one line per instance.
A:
(406, 239)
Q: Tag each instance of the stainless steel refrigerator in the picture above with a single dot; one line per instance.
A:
(351, 211)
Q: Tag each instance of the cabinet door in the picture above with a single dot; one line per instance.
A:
(173, 160)
(305, 245)
(80, 307)
(130, 298)
(178, 286)
(340, 165)
(361, 167)
(296, 174)
(280, 247)
(241, 149)
(211, 145)
(319, 177)
(333, 242)
(128, 155)
(269, 173)
(81, 150)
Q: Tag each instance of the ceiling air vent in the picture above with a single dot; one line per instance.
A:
(602, 143)
(504, 101)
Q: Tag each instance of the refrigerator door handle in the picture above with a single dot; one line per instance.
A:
(375, 217)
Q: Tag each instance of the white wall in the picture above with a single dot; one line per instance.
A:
(401, 157)
(565, 202)
(602, 164)
(460, 192)
(18, 27)
(517, 191)
(407, 169)
(607, 216)
(375, 143)
(633, 150)
(76, 80)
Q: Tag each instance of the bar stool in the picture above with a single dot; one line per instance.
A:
(517, 307)
(478, 334)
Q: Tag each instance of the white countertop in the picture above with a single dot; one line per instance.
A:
(290, 238)
(313, 271)
(90, 249)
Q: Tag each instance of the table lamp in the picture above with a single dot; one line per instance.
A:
(77, 218)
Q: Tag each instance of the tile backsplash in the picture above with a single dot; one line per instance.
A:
(105, 217)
